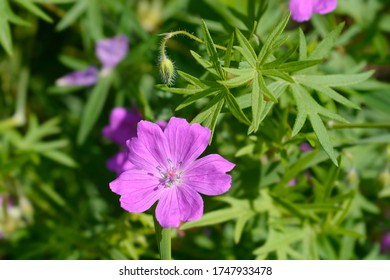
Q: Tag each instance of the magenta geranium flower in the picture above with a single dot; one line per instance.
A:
(302, 10)
(122, 125)
(85, 77)
(111, 51)
(166, 169)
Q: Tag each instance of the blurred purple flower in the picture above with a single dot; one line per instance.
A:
(305, 147)
(385, 243)
(119, 163)
(292, 182)
(111, 51)
(302, 10)
(122, 125)
(167, 170)
(84, 77)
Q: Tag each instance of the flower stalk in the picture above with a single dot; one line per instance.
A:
(163, 240)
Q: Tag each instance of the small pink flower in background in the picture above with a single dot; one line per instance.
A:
(119, 163)
(292, 182)
(302, 10)
(305, 147)
(385, 243)
(85, 77)
(111, 51)
(122, 125)
(167, 170)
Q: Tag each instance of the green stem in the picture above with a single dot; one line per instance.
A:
(185, 33)
(163, 240)
(358, 125)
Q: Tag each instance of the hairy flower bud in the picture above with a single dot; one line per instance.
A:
(384, 178)
(167, 70)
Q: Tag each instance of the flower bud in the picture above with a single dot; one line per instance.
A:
(384, 178)
(167, 70)
(352, 176)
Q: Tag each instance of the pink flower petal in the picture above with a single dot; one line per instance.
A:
(186, 142)
(111, 51)
(149, 150)
(139, 190)
(84, 77)
(207, 175)
(178, 204)
(301, 10)
(119, 163)
(122, 125)
(324, 6)
(190, 204)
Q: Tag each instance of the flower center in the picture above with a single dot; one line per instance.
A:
(171, 175)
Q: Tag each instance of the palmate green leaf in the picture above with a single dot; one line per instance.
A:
(326, 45)
(335, 96)
(73, 14)
(338, 80)
(34, 9)
(93, 107)
(54, 1)
(302, 45)
(293, 170)
(308, 107)
(215, 217)
(264, 89)
(277, 87)
(295, 66)
(323, 136)
(59, 157)
(240, 71)
(226, 14)
(5, 34)
(7, 14)
(209, 115)
(189, 90)
(294, 209)
(302, 110)
(240, 225)
(94, 19)
(280, 60)
(269, 44)
(199, 95)
(36, 132)
(211, 50)
(205, 63)
(239, 80)
(191, 79)
(246, 49)
(275, 73)
(280, 240)
(49, 145)
(235, 108)
(257, 104)
(328, 184)
(228, 53)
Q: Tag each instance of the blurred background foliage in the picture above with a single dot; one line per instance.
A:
(285, 202)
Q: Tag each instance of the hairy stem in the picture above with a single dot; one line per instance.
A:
(185, 33)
